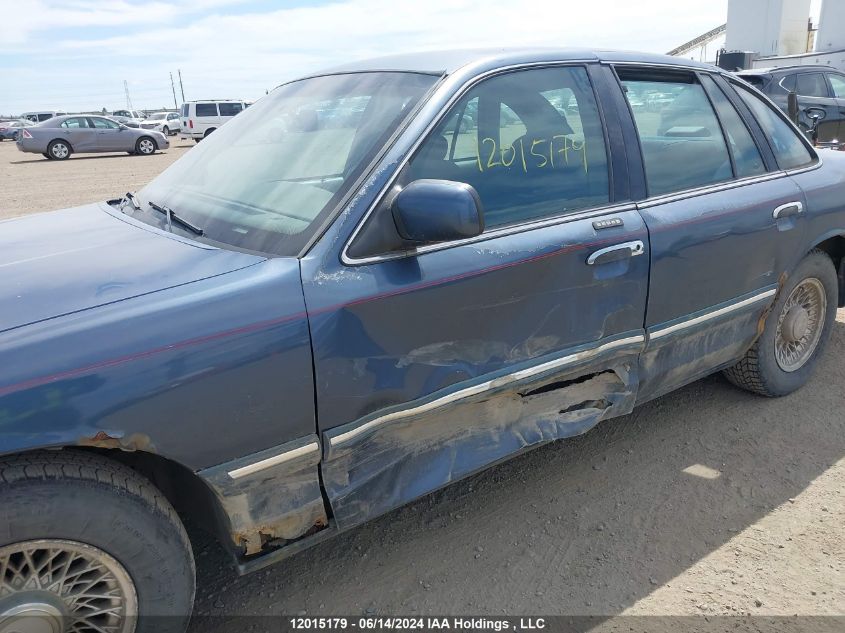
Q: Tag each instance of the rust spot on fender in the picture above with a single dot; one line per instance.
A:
(132, 442)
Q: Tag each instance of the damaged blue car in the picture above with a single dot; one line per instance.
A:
(380, 279)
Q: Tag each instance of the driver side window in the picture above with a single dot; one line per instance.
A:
(529, 142)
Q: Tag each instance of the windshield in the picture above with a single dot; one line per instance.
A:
(264, 181)
(157, 116)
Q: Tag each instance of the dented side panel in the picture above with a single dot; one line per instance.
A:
(405, 458)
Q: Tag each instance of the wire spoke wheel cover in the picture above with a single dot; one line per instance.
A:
(800, 324)
(56, 586)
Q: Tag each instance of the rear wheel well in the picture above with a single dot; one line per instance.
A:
(60, 140)
(835, 249)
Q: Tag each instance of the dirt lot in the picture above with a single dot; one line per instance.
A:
(707, 501)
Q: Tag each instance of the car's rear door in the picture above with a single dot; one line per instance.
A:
(79, 133)
(725, 223)
(434, 363)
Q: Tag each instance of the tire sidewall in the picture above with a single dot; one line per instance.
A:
(53, 156)
(116, 522)
(138, 146)
(779, 382)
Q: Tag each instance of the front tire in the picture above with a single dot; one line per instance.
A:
(145, 146)
(796, 331)
(165, 130)
(70, 516)
(58, 150)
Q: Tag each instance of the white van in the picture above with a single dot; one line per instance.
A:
(201, 118)
(41, 115)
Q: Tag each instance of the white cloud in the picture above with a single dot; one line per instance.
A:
(241, 55)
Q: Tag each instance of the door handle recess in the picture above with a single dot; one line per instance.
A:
(616, 252)
(788, 209)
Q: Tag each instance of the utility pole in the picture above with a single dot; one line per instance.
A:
(181, 87)
(128, 100)
(173, 87)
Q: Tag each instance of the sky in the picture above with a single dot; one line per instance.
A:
(74, 55)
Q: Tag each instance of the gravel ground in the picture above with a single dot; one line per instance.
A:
(707, 501)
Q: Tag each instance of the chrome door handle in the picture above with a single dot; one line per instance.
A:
(788, 209)
(616, 252)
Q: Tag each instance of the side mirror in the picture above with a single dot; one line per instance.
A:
(122, 127)
(431, 211)
(792, 106)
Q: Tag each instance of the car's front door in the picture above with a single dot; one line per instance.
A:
(110, 138)
(724, 224)
(815, 103)
(433, 363)
(837, 87)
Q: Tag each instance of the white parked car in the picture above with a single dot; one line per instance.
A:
(165, 122)
(41, 115)
(201, 118)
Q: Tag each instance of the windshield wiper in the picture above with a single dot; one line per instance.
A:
(172, 217)
(131, 197)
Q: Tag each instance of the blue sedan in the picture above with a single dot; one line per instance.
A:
(378, 280)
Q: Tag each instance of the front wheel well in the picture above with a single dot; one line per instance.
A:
(835, 249)
(193, 500)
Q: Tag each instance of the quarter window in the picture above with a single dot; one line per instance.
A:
(746, 155)
(526, 153)
(812, 85)
(837, 82)
(206, 109)
(230, 109)
(682, 142)
(789, 149)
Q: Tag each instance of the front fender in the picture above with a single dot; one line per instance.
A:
(202, 374)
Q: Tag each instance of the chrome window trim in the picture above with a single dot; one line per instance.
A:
(714, 188)
(534, 370)
(464, 88)
(511, 229)
(275, 460)
(712, 314)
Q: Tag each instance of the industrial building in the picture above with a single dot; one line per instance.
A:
(772, 34)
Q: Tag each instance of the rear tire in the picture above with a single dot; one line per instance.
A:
(796, 331)
(59, 150)
(145, 146)
(68, 511)
(208, 132)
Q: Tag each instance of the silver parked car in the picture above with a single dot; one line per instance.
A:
(61, 136)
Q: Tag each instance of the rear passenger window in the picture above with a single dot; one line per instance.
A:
(746, 155)
(527, 153)
(230, 109)
(812, 85)
(682, 142)
(75, 123)
(206, 109)
(790, 151)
